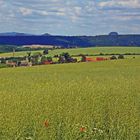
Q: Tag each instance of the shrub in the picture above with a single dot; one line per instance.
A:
(101, 53)
(46, 51)
(113, 57)
(121, 56)
(83, 59)
(49, 59)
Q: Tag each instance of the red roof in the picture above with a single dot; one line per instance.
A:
(90, 60)
(47, 62)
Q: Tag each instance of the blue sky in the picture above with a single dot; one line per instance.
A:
(70, 17)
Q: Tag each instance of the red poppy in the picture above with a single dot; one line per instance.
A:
(82, 129)
(46, 123)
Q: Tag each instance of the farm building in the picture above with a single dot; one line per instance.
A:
(88, 59)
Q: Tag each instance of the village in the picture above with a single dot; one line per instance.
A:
(44, 59)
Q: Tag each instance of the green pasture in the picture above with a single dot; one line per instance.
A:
(90, 51)
(81, 101)
(18, 54)
(98, 50)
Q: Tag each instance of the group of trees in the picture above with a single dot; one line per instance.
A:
(66, 58)
(44, 58)
(40, 58)
(121, 56)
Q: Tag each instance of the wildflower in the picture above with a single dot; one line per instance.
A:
(94, 130)
(46, 123)
(82, 129)
(100, 131)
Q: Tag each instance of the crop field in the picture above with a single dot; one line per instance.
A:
(83, 101)
(98, 50)
(18, 54)
(90, 51)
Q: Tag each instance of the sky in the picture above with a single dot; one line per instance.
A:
(70, 17)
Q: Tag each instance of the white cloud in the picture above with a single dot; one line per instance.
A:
(74, 18)
(125, 17)
(94, 15)
(1, 2)
(120, 3)
(25, 11)
(43, 13)
(62, 9)
(60, 13)
(77, 10)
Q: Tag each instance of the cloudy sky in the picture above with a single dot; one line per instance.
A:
(70, 17)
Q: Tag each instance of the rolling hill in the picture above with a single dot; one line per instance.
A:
(66, 41)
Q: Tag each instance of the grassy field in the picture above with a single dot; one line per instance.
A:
(92, 51)
(18, 54)
(84, 101)
(98, 50)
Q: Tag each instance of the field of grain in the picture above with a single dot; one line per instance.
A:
(84, 101)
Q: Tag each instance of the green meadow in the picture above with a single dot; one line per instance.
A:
(80, 101)
(90, 51)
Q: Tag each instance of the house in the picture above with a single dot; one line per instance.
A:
(11, 64)
(101, 59)
(88, 59)
(46, 62)
(25, 63)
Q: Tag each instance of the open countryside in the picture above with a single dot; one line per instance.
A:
(69, 69)
(95, 100)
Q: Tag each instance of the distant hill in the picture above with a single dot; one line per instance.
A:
(14, 34)
(46, 34)
(113, 39)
